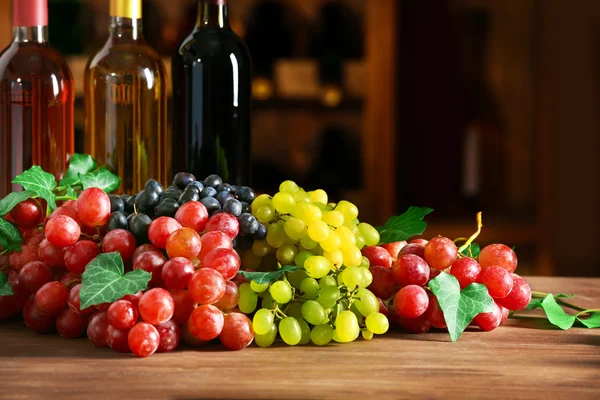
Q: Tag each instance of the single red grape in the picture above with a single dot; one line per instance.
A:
(413, 248)
(37, 321)
(377, 256)
(415, 325)
(144, 248)
(62, 210)
(237, 332)
(17, 260)
(498, 255)
(206, 322)
(97, 328)
(117, 339)
(102, 306)
(11, 305)
(225, 261)
(383, 308)
(440, 252)
(188, 338)
(207, 286)
(422, 242)
(144, 339)
(62, 231)
(33, 236)
(70, 279)
(51, 255)
(192, 214)
(169, 336)
(70, 203)
(490, 320)
(184, 242)
(71, 325)
(224, 222)
(28, 213)
(133, 298)
(505, 312)
(410, 269)
(383, 282)
(93, 207)
(466, 270)
(177, 272)
(74, 301)
(79, 255)
(519, 297)
(434, 314)
(156, 306)
(411, 301)
(214, 240)
(230, 298)
(152, 262)
(184, 305)
(122, 315)
(160, 229)
(498, 281)
(51, 298)
(119, 240)
(34, 275)
(394, 248)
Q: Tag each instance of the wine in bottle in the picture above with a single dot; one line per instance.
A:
(126, 102)
(212, 94)
(36, 99)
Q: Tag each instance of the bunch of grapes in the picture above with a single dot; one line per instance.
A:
(326, 297)
(401, 272)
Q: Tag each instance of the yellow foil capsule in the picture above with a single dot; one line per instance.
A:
(126, 8)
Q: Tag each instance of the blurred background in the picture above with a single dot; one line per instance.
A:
(458, 105)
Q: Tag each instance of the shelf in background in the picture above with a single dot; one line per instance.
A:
(284, 104)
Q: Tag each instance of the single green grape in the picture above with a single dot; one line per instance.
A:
(347, 239)
(289, 241)
(321, 334)
(366, 302)
(248, 298)
(295, 228)
(318, 231)
(377, 323)
(328, 296)
(332, 243)
(267, 300)
(260, 248)
(294, 309)
(250, 260)
(313, 312)
(346, 326)
(275, 236)
(354, 309)
(318, 196)
(301, 197)
(261, 200)
(284, 202)
(310, 288)
(328, 280)
(268, 338)
(349, 210)
(259, 287)
(281, 292)
(302, 257)
(352, 277)
(262, 321)
(307, 212)
(352, 256)
(334, 218)
(265, 214)
(307, 243)
(290, 331)
(305, 331)
(295, 278)
(286, 254)
(365, 263)
(336, 258)
(289, 187)
(317, 266)
(367, 334)
(369, 233)
(340, 279)
(360, 241)
(367, 277)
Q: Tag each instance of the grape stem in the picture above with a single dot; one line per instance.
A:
(3, 252)
(596, 310)
(60, 198)
(541, 295)
(473, 236)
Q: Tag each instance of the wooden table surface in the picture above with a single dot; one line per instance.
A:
(521, 359)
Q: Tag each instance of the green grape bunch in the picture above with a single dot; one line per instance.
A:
(326, 298)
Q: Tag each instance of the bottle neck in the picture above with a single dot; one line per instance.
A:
(212, 14)
(125, 29)
(30, 34)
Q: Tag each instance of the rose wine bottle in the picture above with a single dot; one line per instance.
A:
(126, 102)
(36, 99)
(212, 95)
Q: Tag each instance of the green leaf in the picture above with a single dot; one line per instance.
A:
(5, 287)
(40, 182)
(267, 277)
(101, 178)
(405, 226)
(80, 164)
(537, 302)
(460, 308)
(10, 236)
(593, 321)
(14, 198)
(104, 280)
(71, 192)
(472, 250)
(70, 181)
(556, 315)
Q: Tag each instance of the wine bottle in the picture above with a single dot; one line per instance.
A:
(36, 99)
(126, 102)
(212, 94)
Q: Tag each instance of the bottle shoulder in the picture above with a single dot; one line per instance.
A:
(21, 60)
(213, 42)
(125, 57)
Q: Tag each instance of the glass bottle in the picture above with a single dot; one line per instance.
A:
(36, 99)
(126, 102)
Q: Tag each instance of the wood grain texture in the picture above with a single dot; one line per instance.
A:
(523, 359)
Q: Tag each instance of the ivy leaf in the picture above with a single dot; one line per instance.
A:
(403, 227)
(10, 236)
(556, 315)
(104, 280)
(71, 192)
(14, 198)
(70, 181)
(537, 302)
(459, 308)
(5, 287)
(101, 178)
(80, 164)
(593, 321)
(267, 277)
(40, 182)
(472, 250)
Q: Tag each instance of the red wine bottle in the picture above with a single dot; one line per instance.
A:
(212, 95)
